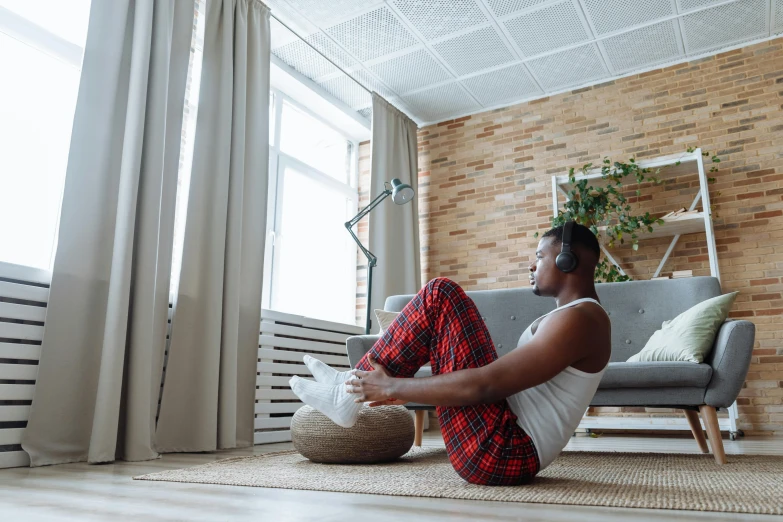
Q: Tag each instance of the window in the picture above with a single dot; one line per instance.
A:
(41, 45)
(310, 268)
(189, 118)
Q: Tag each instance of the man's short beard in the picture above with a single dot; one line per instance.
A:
(536, 291)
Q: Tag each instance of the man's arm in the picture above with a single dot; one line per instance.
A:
(555, 346)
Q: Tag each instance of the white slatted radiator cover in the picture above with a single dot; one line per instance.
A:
(284, 340)
(24, 292)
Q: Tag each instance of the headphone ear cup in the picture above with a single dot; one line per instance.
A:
(566, 262)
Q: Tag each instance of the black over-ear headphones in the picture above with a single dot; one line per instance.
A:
(566, 260)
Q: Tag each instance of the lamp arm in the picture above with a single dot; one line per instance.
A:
(366, 210)
(349, 224)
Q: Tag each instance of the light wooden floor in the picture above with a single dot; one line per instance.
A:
(106, 492)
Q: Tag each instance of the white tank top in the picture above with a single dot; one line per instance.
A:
(551, 411)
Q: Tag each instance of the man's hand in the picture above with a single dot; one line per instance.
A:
(374, 387)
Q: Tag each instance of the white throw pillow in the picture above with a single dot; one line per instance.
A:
(690, 335)
(385, 318)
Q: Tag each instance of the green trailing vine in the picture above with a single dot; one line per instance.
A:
(605, 209)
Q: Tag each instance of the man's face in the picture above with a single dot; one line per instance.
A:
(544, 274)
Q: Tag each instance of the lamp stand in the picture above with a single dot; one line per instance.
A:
(371, 259)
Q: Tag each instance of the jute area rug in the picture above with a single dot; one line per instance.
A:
(747, 484)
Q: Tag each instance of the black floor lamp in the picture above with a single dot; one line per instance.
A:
(401, 194)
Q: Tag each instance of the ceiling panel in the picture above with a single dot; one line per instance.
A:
(643, 47)
(328, 12)
(411, 71)
(440, 102)
(328, 47)
(777, 16)
(441, 59)
(723, 24)
(348, 90)
(372, 84)
(576, 66)
(435, 18)
(474, 51)
(608, 16)
(502, 8)
(372, 34)
(305, 59)
(509, 83)
(690, 5)
(549, 28)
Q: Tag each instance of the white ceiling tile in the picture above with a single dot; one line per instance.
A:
(440, 103)
(547, 29)
(346, 89)
(327, 12)
(372, 34)
(724, 24)
(305, 59)
(612, 15)
(371, 83)
(435, 18)
(462, 42)
(576, 66)
(411, 71)
(506, 7)
(643, 47)
(777, 16)
(504, 85)
(328, 48)
(690, 5)
(474, 51)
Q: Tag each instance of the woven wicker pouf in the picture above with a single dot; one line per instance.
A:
(381, 434)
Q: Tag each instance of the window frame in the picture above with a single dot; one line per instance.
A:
(27, 32)
(278, 161)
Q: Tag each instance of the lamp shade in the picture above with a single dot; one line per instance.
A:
(401, 192)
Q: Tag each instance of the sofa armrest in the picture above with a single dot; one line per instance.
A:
(730, 360)
(359, 345)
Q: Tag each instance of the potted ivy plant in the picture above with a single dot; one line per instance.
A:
(605, 209)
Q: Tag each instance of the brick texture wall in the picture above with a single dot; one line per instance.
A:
(485, 188)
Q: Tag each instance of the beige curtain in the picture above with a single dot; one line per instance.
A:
(101, 360)
(209, 391)
(394, 229)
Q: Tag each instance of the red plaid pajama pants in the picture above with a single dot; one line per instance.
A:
(442, 326)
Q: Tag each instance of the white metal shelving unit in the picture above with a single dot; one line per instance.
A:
(677, 165)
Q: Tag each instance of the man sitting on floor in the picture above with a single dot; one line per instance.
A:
(503, 419)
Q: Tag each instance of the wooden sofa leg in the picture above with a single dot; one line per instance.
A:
(710, 417)
(419, 427)
(698, 433)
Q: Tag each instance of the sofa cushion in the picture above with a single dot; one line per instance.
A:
(690, 335)
(655, 375)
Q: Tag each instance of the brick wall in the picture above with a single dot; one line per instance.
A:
(485, 188)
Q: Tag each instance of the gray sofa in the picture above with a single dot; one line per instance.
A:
(636, 309)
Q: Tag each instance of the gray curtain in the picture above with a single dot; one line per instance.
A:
(102, 355)
(209, 391)
(394, 229)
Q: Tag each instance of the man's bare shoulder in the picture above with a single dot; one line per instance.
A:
(585, 328)
(583, 314)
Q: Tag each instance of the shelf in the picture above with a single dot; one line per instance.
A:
(688, 165)
(687, 224)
